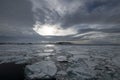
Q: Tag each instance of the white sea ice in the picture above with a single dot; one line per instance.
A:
(43, 69)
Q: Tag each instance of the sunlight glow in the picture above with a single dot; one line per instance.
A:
(53, 30)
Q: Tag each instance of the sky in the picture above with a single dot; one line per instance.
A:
(92, 20)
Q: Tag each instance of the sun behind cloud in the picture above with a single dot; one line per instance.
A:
(53, 30)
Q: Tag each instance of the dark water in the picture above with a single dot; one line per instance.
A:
(11, 71)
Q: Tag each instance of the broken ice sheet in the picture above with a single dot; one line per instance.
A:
(41, 70)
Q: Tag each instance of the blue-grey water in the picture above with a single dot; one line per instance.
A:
(72, 62)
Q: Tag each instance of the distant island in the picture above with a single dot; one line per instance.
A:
(58, 43)
(64, 43)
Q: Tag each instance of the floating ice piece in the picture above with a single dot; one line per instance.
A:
(44, 54)
(17, 59)
(62, 73)
(78, 72)
(61, 58)
(77, 57)
(77, 52)
(41, 70)
(116, 61)
(48, 50)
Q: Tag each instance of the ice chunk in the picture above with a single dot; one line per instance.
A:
(41, 70)
(61, 58)
(62, 73)
(116, 61)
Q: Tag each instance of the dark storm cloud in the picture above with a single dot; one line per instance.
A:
(102, 28)
(76, 12)
(84, 15)
(95, 12)
(53, 11)
(17, 17)
(15, 11)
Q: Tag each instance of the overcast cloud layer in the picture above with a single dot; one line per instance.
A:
(99, 18)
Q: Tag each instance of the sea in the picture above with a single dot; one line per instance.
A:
(72, 62)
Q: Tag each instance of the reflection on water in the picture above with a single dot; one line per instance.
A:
(49, 45)
(48, 49)
(44, 54)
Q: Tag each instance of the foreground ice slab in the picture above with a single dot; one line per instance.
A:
(41, 70)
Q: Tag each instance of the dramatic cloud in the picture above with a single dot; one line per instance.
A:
(94, 11)
(53, 30)
(98, 15)
(61, 19)
(15, 18)
(51, 11)
(76, 11)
